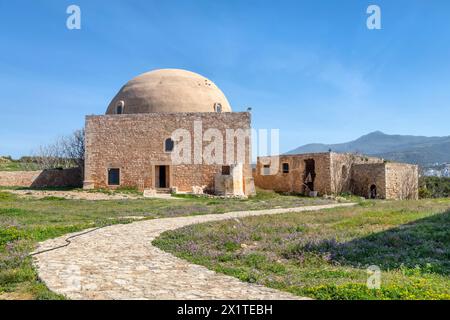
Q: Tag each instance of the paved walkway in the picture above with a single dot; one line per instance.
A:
(119, 262)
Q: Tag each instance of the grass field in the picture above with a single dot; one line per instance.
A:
(10, 166)
(13, 165)
(325, 254)
(26, 221)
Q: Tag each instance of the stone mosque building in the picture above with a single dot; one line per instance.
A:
(133, 145)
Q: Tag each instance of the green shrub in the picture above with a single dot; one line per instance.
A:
(415, 290)
(231, 246)
(434, 187)
(10, 234)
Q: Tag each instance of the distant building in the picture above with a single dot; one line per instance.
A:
(432, 173)
(438, 170)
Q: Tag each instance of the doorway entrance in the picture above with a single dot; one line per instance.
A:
(162, 176)
(373, 191)
(310, 174)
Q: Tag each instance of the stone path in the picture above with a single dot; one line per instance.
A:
(119, 262)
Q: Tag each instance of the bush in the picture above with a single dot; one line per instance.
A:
(413, 290)
(6, 159)
(434, 187)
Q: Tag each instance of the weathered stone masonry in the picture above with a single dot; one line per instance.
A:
(42, 178)
(134, 143)
(294, 179)
(336, 173)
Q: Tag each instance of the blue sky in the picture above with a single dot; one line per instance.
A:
(310, 68)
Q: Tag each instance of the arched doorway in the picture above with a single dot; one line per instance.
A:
(373, 192)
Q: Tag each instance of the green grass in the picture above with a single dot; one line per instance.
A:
(26, 221)
(17, 166)
(119, 190)
(325, 254)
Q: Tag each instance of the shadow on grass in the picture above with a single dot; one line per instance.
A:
(423, 244)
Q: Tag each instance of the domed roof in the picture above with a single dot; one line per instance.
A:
(169, 90)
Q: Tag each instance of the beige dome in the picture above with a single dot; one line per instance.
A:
(169, 90)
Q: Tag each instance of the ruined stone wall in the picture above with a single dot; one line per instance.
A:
(402, 181)
(340, 169)
(134, 143)
(232, 184)
(293, 181)
(363, 176)
(394, 181)
(338, 173)
(18, 178)
(42, 178)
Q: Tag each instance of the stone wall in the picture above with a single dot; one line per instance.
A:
(18, 178)
(341, 169)
(134, 143)
(363, 176)
(394, 181)
(42, 178)
(338, 173)
(402, 181)
(231, 184)
(294, 180)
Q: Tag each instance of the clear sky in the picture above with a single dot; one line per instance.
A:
(310, 68)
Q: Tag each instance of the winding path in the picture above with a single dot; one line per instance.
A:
(120, 262)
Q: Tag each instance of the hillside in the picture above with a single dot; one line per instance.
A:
(405, 148)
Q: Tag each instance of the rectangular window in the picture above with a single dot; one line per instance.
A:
(285, 167)
(266, 170)
(169, 145)
(113, 177)
(226, 170)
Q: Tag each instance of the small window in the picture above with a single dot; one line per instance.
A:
(119, 107)
(113, 177)
(226, 170)
(168, 145)
(218, 107)
(266, 169)
(285, 167)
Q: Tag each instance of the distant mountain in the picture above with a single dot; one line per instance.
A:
(411, 149)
